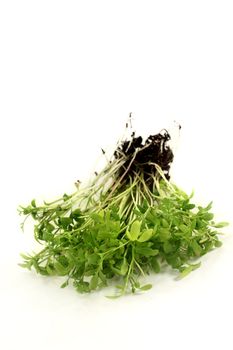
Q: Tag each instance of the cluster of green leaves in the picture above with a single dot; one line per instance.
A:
(121, 239)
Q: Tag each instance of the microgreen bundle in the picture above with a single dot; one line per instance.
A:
(129, 221)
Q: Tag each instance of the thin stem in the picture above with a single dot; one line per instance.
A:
(129, 271)
(122, 177)
(139, 267)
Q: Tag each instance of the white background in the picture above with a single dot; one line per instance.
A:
(70, 73)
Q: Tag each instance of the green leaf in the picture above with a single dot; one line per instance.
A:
(186, 270)
(152, 217)
(124, 267)
(190, 206)
(196, 248)
(209, 206)
(184, 228)
(121, 268)
(218, 244)
(165, 224)
(24, 265)
(61, 266)
(136, 284)
(49, 227)
(174, 260)
(47, 236)
(146, 235)
(33, 203)
(93, 259)
(103, 277)
(51, 270)
(25, 257)
(82, 287)
(167, 247)
(208, 246)
(64, 222)
(193, 224)
(146, 251)
(116, 270)
(77, 216)
(134, 231)
(164, 234)
(146, 287)
(42, 270)
(65, 284)
(94, 282)
(208, 216)
(97, 217)
(119, 286)
(113, 296)
(220, 224)
(66, 197)
(155, 265)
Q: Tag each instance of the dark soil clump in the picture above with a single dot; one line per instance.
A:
(139, 156)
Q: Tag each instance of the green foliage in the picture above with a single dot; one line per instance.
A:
(122, 236)
(185, 270)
